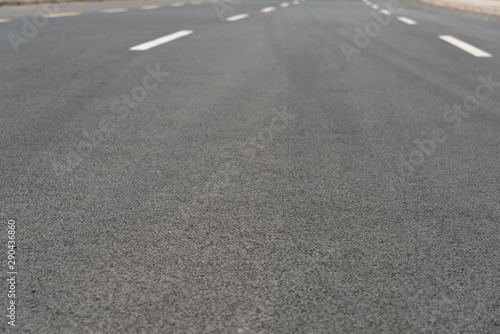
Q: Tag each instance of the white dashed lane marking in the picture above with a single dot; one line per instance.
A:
(237, 17)
(161, 40)
(267, 9)
(464, 46)
(407, 20)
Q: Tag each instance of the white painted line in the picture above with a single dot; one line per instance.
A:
(464, 46)
(62, 14)
(374, 6)
(150, 7)
(176, 4)
(285, 4)
(385, 12)
(237, 17)
(296, 2)
(114, 10)
(197, 2)
(267, 9)
(407, 20)
(4, 20)
(161, 40)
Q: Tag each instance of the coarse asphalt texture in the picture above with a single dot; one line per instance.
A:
(248, 177)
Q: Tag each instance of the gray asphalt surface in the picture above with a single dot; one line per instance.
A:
(265, 184)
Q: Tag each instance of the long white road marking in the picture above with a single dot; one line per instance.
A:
(267, 9)
(4, 20)
(464, 46)
(62, 14)
(114, 10)
(385, 12)
(176, 4)
(296, 2)
(150, 7)
(197, 2)
(407, 20)
(237, 17)
(161, 40)
(374, 6)
(285, 4)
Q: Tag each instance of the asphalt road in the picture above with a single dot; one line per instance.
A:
(277, 173)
